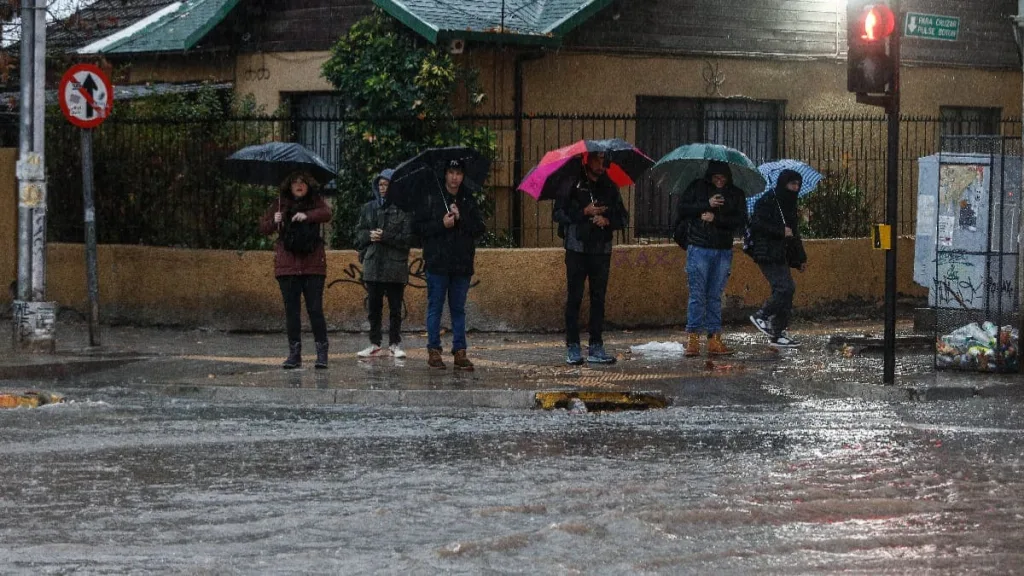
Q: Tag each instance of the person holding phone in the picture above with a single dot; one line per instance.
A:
(715, 210)
(587, 217)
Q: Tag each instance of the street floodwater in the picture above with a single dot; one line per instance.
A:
(119, 481)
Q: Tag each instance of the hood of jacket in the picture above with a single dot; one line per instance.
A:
(385, 174)
(786, 197)
(715, 168)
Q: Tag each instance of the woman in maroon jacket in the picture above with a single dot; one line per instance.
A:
(300, 262)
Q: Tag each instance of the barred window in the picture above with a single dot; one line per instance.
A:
(664, 123)
(970, 121)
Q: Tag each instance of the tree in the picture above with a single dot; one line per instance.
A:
(400, 100)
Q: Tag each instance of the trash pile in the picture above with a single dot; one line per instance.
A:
(985, 348)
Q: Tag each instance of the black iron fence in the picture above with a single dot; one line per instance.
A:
(160, 182)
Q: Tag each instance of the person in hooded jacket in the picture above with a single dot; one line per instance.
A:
(383, 240)
(775, 247)
(714, 210)
(588, 216)
(449, 223)
(300, 261)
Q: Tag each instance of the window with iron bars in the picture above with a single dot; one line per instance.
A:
(970, 121)
(665, 123)
(317, 123)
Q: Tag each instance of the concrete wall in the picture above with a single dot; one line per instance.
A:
(8, 222)
(515, 289)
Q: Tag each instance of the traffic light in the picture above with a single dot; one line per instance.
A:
(869, 57)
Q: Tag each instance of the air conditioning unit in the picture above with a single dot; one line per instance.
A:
(456, 46)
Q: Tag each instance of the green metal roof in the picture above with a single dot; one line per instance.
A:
(511, 21)
(176, 28)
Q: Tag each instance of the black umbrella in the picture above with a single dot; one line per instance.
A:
(269, 164)
(424, 173)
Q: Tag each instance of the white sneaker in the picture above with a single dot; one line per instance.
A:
(784, 341)
(396, 351)
(371, 351)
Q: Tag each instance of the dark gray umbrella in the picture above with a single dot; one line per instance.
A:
(424, 174)
(269, 164)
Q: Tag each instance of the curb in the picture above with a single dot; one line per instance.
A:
(508, 399)
(63, 368)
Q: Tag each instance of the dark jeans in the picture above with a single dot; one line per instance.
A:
(779, 305)
(293, 289)
(376, 291)
(454, 289)
(578, 268)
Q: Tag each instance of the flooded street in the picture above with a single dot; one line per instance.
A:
(121, 481)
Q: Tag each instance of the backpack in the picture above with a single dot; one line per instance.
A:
(681, 234)
(301, 237)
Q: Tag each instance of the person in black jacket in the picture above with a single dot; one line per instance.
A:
(776, 247)
(714, 210)
(449, 224)
(587, 216)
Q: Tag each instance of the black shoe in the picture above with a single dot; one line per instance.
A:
(321, 355)
(294, 359)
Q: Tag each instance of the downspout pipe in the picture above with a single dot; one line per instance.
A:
(517, 165)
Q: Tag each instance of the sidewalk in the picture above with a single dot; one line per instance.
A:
(511, 368)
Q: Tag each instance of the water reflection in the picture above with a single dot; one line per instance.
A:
(129, 483)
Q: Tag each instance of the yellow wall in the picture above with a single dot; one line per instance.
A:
(569, 82)
(8, 221)
(268, 76)
(518, 289)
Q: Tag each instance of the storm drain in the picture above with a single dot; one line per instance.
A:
(600, 400)
(31, 399)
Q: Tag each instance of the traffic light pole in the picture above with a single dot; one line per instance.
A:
(892, 178)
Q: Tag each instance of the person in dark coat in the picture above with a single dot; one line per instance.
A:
(383, 240)
(449, 223)
(587, 217)
(714, 210)
(300, 261)
(776, 247)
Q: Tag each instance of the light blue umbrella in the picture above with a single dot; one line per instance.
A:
(771, 171)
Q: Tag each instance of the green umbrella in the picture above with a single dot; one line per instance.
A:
(677, 169)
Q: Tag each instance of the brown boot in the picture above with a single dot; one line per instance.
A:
(718, 348)
(434, 358)
(461, 362)
(692, 346)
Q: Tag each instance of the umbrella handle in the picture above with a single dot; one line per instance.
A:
(443, 199)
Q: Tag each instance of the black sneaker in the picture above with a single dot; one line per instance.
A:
(761, 324)
(784, 341)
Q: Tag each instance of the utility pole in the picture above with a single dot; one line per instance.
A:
(34, 317)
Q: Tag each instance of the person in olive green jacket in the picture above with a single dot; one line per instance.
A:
(384, 237)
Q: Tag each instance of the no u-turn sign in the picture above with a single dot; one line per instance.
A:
(86, 96)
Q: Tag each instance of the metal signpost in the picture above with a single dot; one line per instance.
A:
(86, 98)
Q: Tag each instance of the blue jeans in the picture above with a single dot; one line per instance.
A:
(707, 271)
(453, 288)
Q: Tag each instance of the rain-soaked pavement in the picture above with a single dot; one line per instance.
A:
(748, 478)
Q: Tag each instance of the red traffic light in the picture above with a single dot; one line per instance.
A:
(876, 22)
